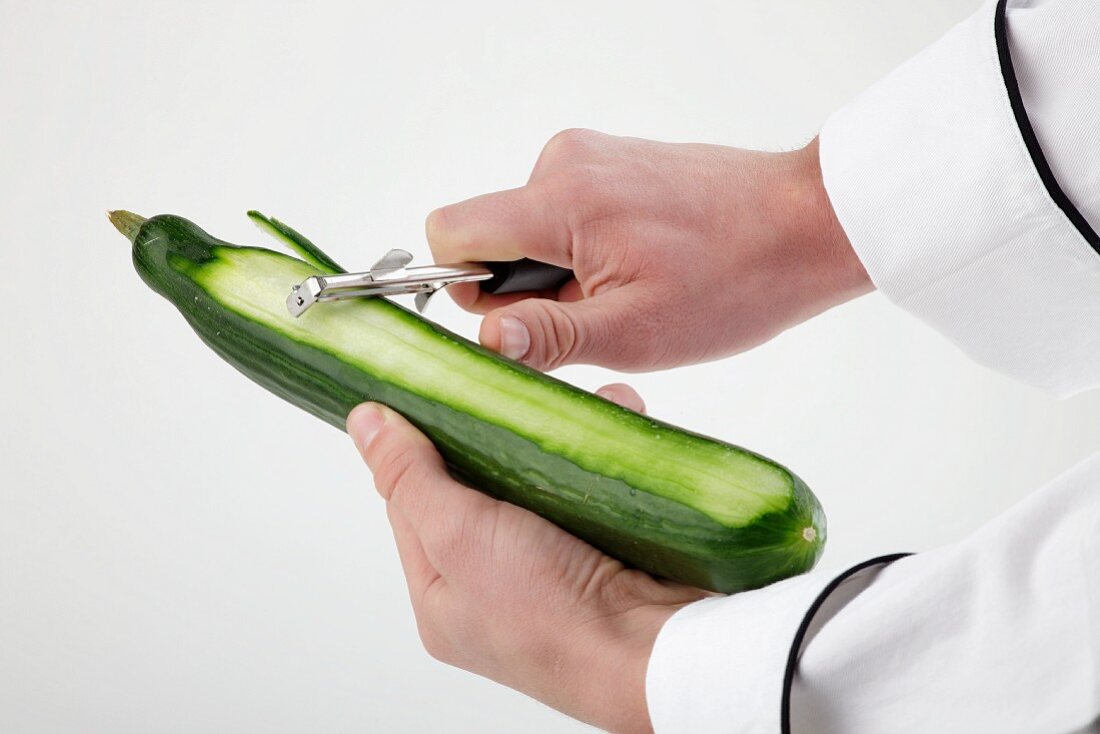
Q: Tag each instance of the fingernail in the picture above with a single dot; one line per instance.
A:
(364, 424)
(515, 340)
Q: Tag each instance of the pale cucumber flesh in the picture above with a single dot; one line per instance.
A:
(728, 485)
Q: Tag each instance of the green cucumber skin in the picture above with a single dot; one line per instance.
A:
(653, 533)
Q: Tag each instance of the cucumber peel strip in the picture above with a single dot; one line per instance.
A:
(296, 241)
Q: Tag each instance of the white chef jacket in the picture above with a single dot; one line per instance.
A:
(968, 181)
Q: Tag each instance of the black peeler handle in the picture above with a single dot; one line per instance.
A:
(524, 275)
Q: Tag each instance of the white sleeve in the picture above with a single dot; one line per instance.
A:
(968, 181)
(997, 633)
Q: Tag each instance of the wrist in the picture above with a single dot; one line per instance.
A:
(614, 665)
(826, 243)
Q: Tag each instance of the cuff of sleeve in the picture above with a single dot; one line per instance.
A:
(719, 664)
(934, 184)
(727, 664)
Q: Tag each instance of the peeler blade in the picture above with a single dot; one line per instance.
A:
(303, 296)
(387, 277)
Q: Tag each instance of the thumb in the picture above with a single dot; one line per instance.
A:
(545, 334)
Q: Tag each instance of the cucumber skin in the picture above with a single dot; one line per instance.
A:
(649, 532)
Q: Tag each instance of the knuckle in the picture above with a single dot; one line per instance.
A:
(396, 467)
(443, 541)
(569, 144)
(455, 541)
(561, 337)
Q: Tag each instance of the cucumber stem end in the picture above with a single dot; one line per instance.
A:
(126, 222)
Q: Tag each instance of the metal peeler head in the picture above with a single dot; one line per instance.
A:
(389, 276)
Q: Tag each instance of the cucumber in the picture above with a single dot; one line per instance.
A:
(670, 502)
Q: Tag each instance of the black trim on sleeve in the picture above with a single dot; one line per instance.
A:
(804, 627)
(1038, 159)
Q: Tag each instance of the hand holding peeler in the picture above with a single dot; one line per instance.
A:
(392, 276)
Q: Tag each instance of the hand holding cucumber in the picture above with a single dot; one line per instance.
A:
(682, 253)
(501, 592)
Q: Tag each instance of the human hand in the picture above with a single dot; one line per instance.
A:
(501, 592)
(682, 252)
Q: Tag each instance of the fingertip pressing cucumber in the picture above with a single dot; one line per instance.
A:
(673, 503)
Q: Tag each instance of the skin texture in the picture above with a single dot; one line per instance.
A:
(638, 221)
(496, 589)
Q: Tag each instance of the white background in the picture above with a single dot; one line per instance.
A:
(180, 551)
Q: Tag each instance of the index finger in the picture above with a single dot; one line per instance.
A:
(505, 225)
(470, 297)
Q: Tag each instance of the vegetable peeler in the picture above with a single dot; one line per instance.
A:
(392, 276)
